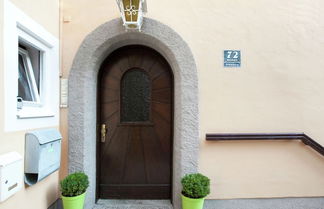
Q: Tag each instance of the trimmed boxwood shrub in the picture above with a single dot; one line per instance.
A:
(74, 184)
(195, 185)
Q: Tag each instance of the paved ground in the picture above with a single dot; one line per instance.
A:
(275, 203)
(268, 203)
(124, 204)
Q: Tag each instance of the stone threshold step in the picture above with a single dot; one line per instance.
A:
(133, 204)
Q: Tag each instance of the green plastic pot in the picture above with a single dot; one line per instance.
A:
(76, 202)
(191, 203)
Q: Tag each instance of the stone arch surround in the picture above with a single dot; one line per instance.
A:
(83, 97)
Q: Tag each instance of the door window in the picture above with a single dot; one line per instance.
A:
(135, 96)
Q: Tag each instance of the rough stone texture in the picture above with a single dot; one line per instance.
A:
(83, 102)
(271, 203)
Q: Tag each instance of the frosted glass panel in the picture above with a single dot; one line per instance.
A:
(135, 96)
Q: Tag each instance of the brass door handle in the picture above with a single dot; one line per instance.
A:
(103, 133)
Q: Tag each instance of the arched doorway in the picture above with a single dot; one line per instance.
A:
(83, 82)
(135, 113)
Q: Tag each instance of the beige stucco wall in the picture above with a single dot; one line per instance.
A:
(45, 12)
(279, 87)
(1, 62)
(44, 193)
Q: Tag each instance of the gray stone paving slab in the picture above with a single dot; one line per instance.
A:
(270, 203)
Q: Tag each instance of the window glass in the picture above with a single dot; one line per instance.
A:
(35, 59)
(24, 90)
(28, 75)
(135, 96)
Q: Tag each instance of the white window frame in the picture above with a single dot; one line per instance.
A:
(31, 79)
(20, 28)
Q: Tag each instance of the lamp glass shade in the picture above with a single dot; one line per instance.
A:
(131, 10)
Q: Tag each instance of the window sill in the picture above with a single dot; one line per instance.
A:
(36, 113)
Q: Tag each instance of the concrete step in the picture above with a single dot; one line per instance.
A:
(133, 204)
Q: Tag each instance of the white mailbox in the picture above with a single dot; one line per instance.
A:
(11, 174)
(42, 154)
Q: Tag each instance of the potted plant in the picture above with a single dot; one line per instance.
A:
(73, 189)
(195, 187)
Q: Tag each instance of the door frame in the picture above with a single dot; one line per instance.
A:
(83, 103)
(99, 106)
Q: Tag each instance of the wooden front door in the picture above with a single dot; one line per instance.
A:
(135, 100)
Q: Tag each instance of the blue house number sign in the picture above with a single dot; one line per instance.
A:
(232, 58)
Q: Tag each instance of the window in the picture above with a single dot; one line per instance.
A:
(29, 71)
(135, 96)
